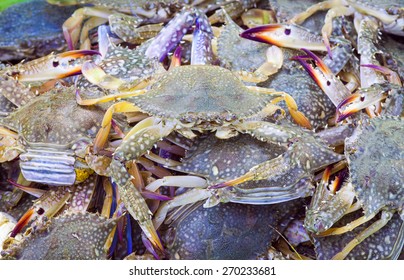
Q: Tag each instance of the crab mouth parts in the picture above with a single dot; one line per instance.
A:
(55, 168)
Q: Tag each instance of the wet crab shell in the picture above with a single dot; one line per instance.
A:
(70, 236)
(228, 231)
(201, 93)
(375, 156)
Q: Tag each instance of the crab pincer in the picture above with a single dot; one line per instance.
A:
(52, 66)
(285, 35)
(324, 77)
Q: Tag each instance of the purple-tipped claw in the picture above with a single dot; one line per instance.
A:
(318, 61)
(263, 34)
(342, 115)
(309, 69)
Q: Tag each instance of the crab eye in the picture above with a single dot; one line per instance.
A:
(287, 31)
(40, 211)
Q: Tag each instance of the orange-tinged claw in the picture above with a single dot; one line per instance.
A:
(354, 98)
(320, 64)
(23, 222)
(53, 66)
(285, 35)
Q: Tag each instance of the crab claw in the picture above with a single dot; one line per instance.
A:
(323, 76)
(25, 219)
(392, 76)
(53, 66)
(285, 35)
(361, 100)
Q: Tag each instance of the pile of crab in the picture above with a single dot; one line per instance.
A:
(204, 130)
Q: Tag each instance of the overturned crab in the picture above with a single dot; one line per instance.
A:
(55, 126)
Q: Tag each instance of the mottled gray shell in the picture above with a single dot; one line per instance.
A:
(71, 236)
(32, 29)
(237, 53)
(222, 160)
(55, 118)
(201, 93)
(228, 231)
(375, 156)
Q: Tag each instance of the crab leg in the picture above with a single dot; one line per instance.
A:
(177, 181)
(385, 218)
(336, 9)
(137, 142)
(102, 135)
(325, 5)
(93, 22)
(191, 196)
(298, 116)
(285, 35)
(348, 227)
(71, 27)
(171, 35)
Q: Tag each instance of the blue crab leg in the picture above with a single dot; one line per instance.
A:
(52, 66)
(285, 35)
(171, 35)
(297, 116)
(137, 142)
(202, 52)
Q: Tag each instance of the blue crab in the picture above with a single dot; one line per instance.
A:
(40, 128)
(78, 236)
(228, 231)
(38, 32)
(134, 27)
(391, 21)
(23, 82)
(214, 100)
(367, 184)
